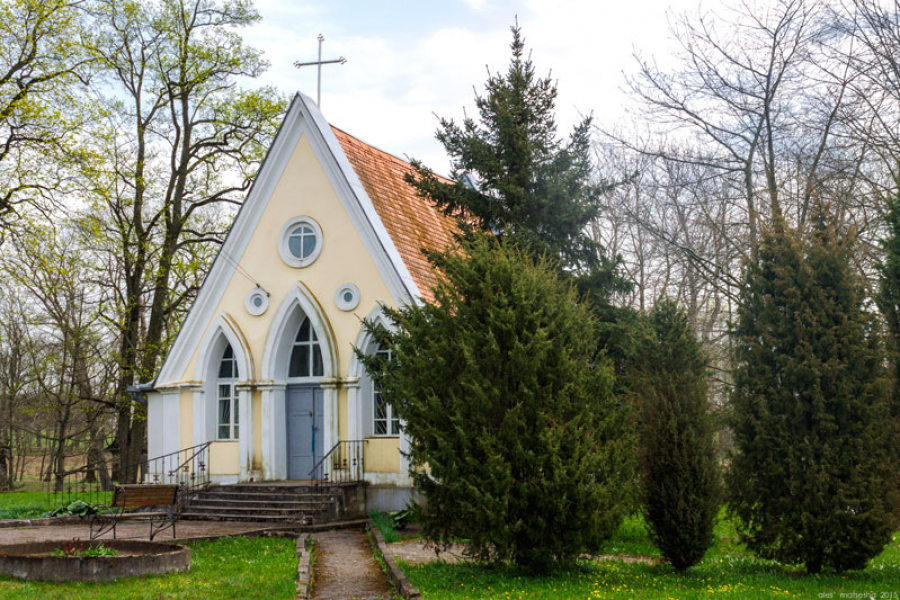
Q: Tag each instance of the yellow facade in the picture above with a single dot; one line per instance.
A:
(186, 420)
(223, 458)
(302, 190)
(383, 455)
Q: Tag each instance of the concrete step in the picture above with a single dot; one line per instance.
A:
(203, 516)
(247, 497)
(288, 503)
(255, 510)
(257, 488)
(299, 503)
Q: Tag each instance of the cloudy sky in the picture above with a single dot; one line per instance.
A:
(408, 61)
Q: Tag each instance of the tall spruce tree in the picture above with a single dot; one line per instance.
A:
(680, 479)
(812, 479)
(514, 177)
(517, 440)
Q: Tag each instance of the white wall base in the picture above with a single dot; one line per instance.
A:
(393, 479)
(224, 479)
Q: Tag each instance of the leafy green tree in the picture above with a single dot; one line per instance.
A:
(180, 141)
(42, 67)
(517, 441)
(680, 479)
(814, 477)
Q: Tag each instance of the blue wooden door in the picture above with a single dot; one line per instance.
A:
(305, 421)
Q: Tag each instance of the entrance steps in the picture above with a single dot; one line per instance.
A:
(283, 502)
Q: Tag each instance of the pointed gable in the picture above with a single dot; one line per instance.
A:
(370, 203)
(412, 223)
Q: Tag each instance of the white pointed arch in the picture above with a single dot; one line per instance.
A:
(299, 303)
(222, 332)
(364, 340)
(360, 407)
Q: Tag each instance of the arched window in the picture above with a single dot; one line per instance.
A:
(228, 400)
(306, 356)
(384, 421)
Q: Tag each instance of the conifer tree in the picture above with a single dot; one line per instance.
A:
(515, 178)
(680, 480)
(516, 438)
(889, 292)
(812, 480)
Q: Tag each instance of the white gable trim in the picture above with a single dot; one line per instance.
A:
(363, 212)
(303, 117)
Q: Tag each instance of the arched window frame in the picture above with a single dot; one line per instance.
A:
(306, 361)
(227, 402)
(384, 422)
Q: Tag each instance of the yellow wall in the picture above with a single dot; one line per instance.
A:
(342, 413)
(382, 455)
(186, 419)
(223, 458)
(257, 430)
(304, 190)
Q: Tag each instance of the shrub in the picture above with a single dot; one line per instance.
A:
(812, 481)
(680, 481)
(517, 441)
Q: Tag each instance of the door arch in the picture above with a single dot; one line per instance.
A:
(299, 412)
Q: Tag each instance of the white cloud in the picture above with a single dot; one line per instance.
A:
(396, 81)
(477, 5)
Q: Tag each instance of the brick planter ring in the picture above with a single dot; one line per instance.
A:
(34, 562)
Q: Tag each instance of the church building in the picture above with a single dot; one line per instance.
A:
(263, 367)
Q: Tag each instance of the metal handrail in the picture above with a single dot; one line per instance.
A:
(200, 449)
(193, 471)
(346, 460)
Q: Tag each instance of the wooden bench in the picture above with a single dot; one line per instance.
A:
(129, 497)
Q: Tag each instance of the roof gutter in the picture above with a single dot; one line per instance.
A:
(138, 392)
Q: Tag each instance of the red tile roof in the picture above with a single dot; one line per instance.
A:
(412, 222)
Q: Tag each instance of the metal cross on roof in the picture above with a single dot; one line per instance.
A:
(319, 64)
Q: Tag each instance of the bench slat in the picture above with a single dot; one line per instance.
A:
(135, 496)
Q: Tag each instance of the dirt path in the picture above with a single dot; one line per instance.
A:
(345, 568)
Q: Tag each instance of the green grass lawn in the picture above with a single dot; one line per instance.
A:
(225, 568)
(31, 505)
(728, 570)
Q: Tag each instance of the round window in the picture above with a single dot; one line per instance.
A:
(300, 242)
(347, 297)
(256, 302)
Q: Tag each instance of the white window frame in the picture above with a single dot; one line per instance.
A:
(257, 302)
(284, 247)
(314, 342)
(227, 384)
(389, 420)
